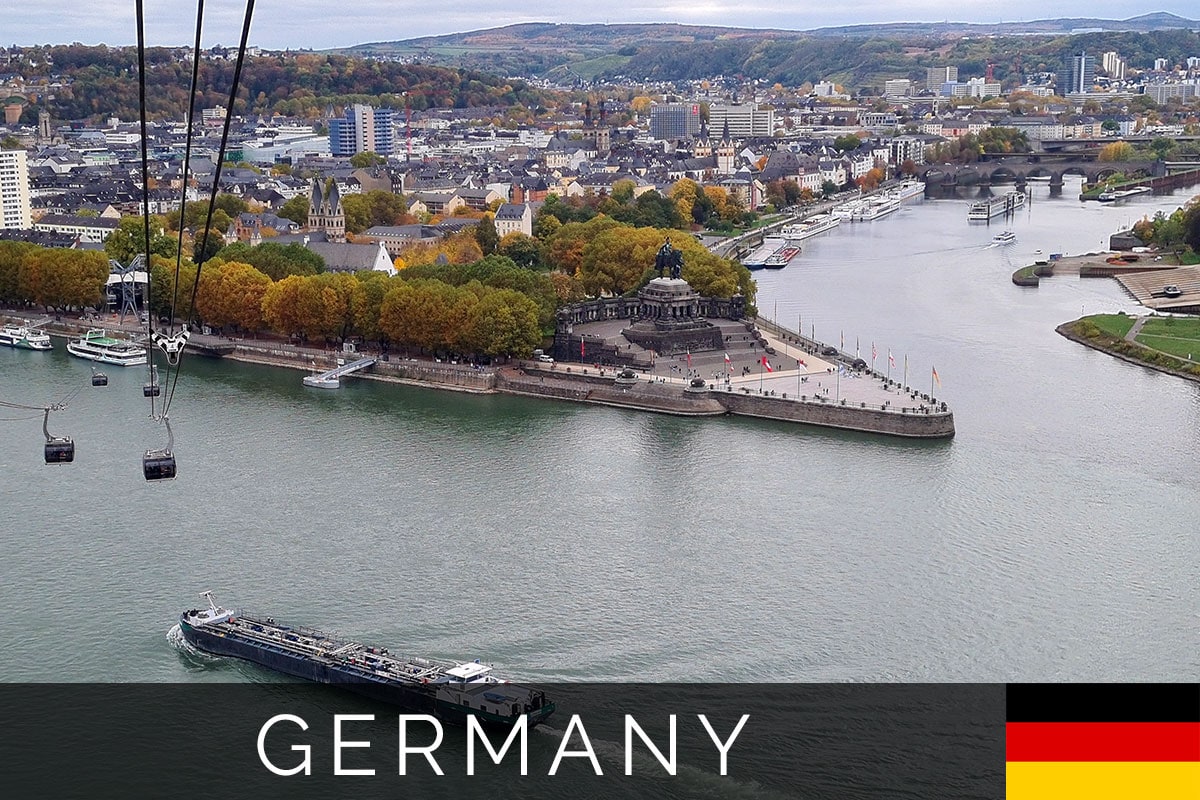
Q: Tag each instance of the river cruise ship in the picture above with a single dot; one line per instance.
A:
(97, 345)
(995, 206)
(25, 338)
(817, 223)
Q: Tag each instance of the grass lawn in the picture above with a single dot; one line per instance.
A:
(1175, 327)
(1113, 324)
(1184, 348)
(1175, 335)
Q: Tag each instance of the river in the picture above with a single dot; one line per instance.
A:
(1053, 539)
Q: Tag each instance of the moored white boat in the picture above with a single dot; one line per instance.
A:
(25, 338)
(1114, 195)
(908, 189)
(817, 223)
(97, 345)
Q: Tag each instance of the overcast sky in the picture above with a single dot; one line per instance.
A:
(318, 24)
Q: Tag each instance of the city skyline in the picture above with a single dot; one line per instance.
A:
(305, 24)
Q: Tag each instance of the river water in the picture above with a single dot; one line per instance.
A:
(1055, 538)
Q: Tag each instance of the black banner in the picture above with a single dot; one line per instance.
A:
(795, 740)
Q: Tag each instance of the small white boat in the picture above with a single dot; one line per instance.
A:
(1006, 237)
(97, 345)
(25, 338)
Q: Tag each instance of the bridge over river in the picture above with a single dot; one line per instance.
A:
(1020, 170)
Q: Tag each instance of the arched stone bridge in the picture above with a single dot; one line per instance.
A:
(987, 172)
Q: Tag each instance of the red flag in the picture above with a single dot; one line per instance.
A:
(935, 376)
(581, 348)
(767, 364)
(874, 352)
(891, 360)
(728, 363)
(802, 362)
(689, 359)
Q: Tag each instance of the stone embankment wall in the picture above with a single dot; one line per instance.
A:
(914, 424)
(673, 399)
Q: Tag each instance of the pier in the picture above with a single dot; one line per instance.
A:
(331, 379)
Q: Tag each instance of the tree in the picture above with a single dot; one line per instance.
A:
(504, 322)
(12, 257)
(1191, 225)
(232, 294)
(523, 250)
(828, 188)
(372, 208)
(684, 193)
(275, 260)
(129, 240)
(1116, 151)
(296, 209)
(486, 236)
(366, 159)
(846, 143)
(1161, 147)
(207, 244)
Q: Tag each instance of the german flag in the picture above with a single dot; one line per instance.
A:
(1103, 741)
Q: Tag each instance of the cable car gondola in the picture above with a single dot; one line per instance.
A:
(152, 389)
(159, 465)
(99, 378)
(59, 449)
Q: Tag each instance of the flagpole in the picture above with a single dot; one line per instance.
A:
(837, 392)
(931, 371)
(760, 376)
(905, 384)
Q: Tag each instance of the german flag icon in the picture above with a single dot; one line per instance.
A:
(1102, 741)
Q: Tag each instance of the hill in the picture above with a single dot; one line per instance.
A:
(859, 56)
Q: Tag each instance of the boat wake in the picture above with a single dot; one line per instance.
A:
(176, 638)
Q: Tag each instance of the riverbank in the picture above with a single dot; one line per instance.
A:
(1084, 331)
(899, 411)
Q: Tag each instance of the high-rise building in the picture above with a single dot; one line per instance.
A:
(743, 120)
(362, 129)
(1083, 74)
(14, 190)
(674, 120)
(1114, 65)
(897, 87)
(936, 77)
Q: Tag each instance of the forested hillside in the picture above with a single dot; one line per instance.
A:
(101, 81)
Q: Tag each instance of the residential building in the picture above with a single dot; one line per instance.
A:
(982, 87)
(85, 229)
(15, 209)
(514, 217)
(362, 129)
(1161, 92)
(1114, 65)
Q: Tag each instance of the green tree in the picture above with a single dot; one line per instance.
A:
(846, 143)
(12, 257)
(366, 159)
(129, 240)
(486, 236)
(523, 250)
(372, 208)
(505, 323)
(295, 209)
(275, 260)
